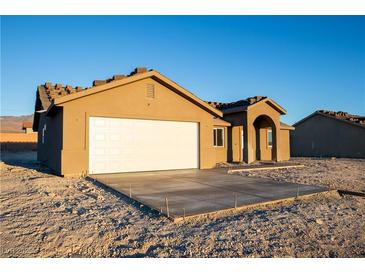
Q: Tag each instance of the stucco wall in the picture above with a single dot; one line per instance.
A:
(130, 101)
(18, 137)
(284, 149)
(49, 152)
(234, 145)
(18, 141)
(244, 121)
(250, 138)
(221, 152)
(321, 136)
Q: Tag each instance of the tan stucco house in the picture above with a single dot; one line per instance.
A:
(144, 121)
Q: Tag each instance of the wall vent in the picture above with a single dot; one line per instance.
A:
(150, 91)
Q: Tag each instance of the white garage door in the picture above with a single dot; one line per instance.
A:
(126, 145)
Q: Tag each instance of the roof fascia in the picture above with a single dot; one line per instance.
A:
(287, 127)
(328, 116)
(97, 89)
(151, 74)
(185, 93)
(271, 103)
(305, 118)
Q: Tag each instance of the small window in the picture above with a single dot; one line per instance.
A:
(269, 137)
(218, 137)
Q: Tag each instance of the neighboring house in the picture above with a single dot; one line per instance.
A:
(27, 127)
(329, 134)
(16, 140)
(145, 121)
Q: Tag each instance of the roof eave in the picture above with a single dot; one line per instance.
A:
(234, 110)
(272, 103)
(287, 127)
(151, 74)
(220, 122)
(182, 91)
(327, 116)
(97, 89)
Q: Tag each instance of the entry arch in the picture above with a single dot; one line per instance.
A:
(264, 128)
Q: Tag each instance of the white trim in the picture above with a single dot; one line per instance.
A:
(267, 137)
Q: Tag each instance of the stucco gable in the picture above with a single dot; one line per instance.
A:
(50, 97)
(329, 116)
(137, 77)
(245, 104)
(269, 102)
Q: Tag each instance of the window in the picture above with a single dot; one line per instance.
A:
(269, 137)
(218, 137)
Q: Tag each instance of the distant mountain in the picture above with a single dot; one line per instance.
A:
(14, 123)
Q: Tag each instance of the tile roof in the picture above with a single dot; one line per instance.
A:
(341, 115)
(48, 93)
(27, 125)
(240, 103)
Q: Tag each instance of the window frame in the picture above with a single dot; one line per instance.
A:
(269, 130)
(215, 136)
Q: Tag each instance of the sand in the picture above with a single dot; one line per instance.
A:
(43, 215)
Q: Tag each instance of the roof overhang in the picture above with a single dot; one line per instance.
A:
(327, 116)
(220, 122)
(285, 126)
(271, 103)
(234, 110)
(151, 74)
(268, 101)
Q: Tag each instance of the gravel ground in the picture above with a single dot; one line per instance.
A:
(343, 174)
(48, 216)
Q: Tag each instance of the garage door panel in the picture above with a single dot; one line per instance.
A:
(126, 145)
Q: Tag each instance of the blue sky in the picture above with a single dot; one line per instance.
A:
(305, 63)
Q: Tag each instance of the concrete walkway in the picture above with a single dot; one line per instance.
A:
(194, 192)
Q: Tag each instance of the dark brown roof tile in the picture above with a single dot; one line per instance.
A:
(99, 82)
(345, 116)
(47, 93)
(240, 103)
(27, 125)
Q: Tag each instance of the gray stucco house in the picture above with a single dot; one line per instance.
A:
(329, 134)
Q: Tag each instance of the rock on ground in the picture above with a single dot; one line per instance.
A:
(344, 174)
(48, 216)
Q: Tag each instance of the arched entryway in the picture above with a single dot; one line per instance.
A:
(265, 141)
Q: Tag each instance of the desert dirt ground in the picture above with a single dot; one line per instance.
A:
(343, 174)
(43, 215)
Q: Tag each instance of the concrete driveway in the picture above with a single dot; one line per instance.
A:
(194, 192)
